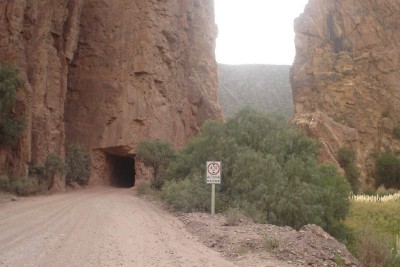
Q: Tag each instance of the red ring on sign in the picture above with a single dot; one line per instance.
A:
(213, 163)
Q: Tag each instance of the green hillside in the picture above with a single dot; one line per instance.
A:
(262, 87)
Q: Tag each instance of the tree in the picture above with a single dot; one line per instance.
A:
(78, 164)
(346, 158)
(11, 125)
(156, 155)
(270, 173)
(387, 170)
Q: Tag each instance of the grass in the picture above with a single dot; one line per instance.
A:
(376, 226)
(145, 190)
(383, 217)
(271, 243)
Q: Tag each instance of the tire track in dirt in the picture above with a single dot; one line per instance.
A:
(97, 227)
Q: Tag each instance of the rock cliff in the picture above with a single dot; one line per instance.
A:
(39, 37)
(108, 74)
(346, 74)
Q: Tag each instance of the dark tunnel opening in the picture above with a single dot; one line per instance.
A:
(123, 171)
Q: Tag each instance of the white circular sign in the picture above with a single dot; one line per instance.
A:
(213, 168)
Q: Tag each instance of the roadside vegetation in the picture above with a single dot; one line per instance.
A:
(346, 159)
(41, 177)
(157, 155)
(270, 174)
(375, 222)
(12, 124)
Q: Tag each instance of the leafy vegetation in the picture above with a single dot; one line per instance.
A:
(21, 186)
(396, 132)
(77, 164)
(376, 226)
(387, 170)
(11, 125)
(385, 113)
(46, 173)
(157, 155)
(270, 173)
(346, 160)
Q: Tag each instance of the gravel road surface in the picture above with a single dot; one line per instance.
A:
(97, 227)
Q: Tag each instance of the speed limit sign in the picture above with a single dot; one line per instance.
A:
(213, 171)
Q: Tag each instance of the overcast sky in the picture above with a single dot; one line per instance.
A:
(256, 31)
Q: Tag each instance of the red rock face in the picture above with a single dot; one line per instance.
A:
(108, 74)
(39, 37)
(347, 69)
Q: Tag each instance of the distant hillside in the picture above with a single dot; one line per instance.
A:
(263, 87)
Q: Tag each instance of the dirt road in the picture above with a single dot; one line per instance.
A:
(97, 227)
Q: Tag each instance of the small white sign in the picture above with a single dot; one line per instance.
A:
(213, 172)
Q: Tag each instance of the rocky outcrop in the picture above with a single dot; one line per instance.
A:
(263, 87)
(40, 38)
(108, 75)
(150, 74)
(345, 76)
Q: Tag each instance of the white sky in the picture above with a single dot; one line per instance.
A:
(256, 31)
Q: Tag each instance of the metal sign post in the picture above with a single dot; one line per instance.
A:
(213, 174)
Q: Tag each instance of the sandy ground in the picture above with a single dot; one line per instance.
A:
(97, 227)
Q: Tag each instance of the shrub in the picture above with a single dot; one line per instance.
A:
(11, 126)
(385, 113)
(232, 216)
(346, 159)
(4, 180)
(371, 248)
(387, 169)
(46, 173)
(188, 195)
(22, 186)
(77, 164)
(396, 132)
(270, 172)
(157, 155)
(143, 188)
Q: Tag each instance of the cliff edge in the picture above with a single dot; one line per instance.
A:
(345, 77)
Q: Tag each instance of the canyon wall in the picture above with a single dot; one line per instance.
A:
(39, 37)
(108, 74)
(149, 74)
(346, 76)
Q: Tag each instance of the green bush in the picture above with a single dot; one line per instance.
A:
(346, 159)
(270, 173)
(46, 172)
(11, 126)
(77, 165)
(22, 186)
(385, 113)
(232, 216)
(396, 132)
(387, 169)
(188, 195)
(143, 188)
(157, 155)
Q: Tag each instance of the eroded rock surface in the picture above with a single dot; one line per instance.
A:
(345, 77)
(40, 38)
(107, 74)
(150, 74)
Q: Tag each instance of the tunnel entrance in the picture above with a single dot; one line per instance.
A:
(122, 170)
